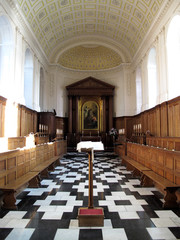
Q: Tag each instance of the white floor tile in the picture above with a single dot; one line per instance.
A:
(20, 234)
(52, 215)
(118, 208)
(163, 222)
(176, 221)
(128, 215)
(73, 223)
(134, 208)
(47, 209)
(138, 202)
(17, 223)
(115, 234)
(4, 222)
(161, 233)
(166, 214)
(15, 214)
(67, 234)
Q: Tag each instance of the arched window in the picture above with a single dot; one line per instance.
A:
(152, 78)
(41, 95)
(138, 90)
(6, 58)
(28, 79)
(173, 57)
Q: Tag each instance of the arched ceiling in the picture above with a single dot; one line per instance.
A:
(123, 22)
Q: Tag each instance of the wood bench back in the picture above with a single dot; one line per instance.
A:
(164, 162)
(16, 163)
(169, 143)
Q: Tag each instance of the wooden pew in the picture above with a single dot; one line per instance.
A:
(22, 167)
(150, 178)
(11, 143)
(156, 166)
(41, 138)
(169, 143)
(15, 167)
(46, 159)
(134, 166)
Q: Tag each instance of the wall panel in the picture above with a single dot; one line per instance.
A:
(2, 115)
(174, 117)
(164, 120)
(161, 121)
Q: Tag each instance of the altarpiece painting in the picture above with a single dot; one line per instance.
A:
(90, 116)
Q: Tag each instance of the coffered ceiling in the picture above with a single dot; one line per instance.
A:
(118, 26)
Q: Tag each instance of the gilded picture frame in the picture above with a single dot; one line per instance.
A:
(90, 116)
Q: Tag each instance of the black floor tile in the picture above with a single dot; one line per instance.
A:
(48, 224)
(114, 187)
(43, 234)
(4, 233)
(90, 234)
(133, 223)
(58, 202)
(122, 202)
(175, 231)
(137, 234)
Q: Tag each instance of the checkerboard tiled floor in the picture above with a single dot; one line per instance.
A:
(50, 212)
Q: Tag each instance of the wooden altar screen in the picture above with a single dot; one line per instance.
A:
(91, 98)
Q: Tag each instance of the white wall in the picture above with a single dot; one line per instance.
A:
(124, 95)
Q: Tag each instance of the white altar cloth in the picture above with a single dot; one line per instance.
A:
(95, 146)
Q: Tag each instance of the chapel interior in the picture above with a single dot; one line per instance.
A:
(76, 71)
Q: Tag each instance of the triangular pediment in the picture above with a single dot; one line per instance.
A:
(91, 83)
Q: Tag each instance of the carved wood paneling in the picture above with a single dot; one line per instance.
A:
(162, 120)
(164, 162)
(174, 117)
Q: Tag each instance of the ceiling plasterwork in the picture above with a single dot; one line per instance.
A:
(90, 57)
(84, 40)
(54, 22)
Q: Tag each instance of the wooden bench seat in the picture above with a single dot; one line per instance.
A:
(134, 166)
(9, 199)
(157, 167)
(150, 178)
(46, 166)
(30, 179)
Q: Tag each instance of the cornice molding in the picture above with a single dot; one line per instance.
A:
(117, 69)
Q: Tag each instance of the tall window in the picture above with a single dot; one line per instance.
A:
(173, 57)
(138, 90)
(28, 79)
(41, 98)
(152, 78)
(6, 58)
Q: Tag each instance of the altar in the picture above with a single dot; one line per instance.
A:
(90, 216)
